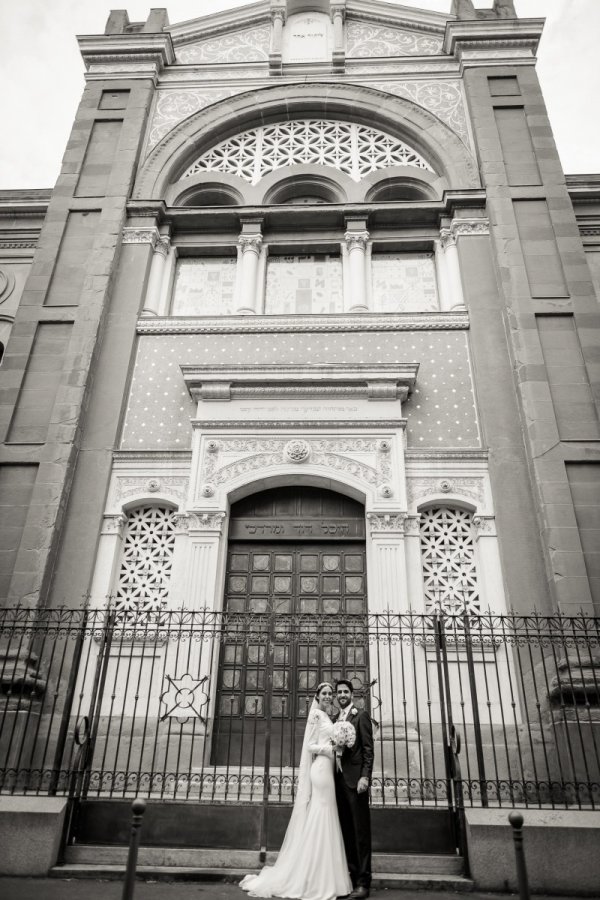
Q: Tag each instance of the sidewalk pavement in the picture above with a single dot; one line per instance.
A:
(58, 889)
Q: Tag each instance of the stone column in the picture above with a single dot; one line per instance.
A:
(250, 243)
(355, 291)
(154, 301)
(277, 23)
(444, 297)
(338, 11)
(455, 297)
(398, 751)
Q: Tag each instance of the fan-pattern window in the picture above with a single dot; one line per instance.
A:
(145, 573)
(448, 558)
(354, 149)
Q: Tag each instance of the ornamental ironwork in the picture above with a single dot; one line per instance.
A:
(448, 559)
(345, 146)
(147, 561)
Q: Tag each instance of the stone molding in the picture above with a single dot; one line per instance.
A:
(460, 455)
(358, 457)
(447, 321)
(386, 523)
(150, 236)
(288, 424)
(419, 488)
(12, 244)
(497, 34)
(485, 525)
(201, 521)
(7, 284)
(128, 486)
(136, 48)
(144, 456)
(462, 227)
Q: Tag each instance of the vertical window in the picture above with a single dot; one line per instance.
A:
(448, 558)
(304, 285)
(403, 282)
(145, 572)
(204, 286)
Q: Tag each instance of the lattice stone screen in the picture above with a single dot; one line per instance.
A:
(448, 559)
(345, 146)
(145, 572)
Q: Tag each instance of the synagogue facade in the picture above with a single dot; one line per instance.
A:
(308, 326)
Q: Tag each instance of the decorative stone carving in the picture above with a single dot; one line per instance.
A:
(386, 490)
(128, 486)
(356, 240)
(250, 242)
(386, 522)
(461, 227)
(297, 451)
(153, 485)
(208, 490)
(448, 321)
(258, 454)
(247, 45)
(141, 236)
(445, 486)
(212, 446)
(448, 560)
(484, 525)
(367, 40)
(199, 521)
(174, 106)
(384, 446)
(346, 146)
(412, 526)
(163, 245)
(447, 238)
(7, 284)
(431, 487)
(113, 524)
(442, 98)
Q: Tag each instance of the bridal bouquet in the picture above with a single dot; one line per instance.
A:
(344, 735)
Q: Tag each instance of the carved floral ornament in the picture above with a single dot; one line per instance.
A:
(128, 487)
(462, 486)
(254, 455)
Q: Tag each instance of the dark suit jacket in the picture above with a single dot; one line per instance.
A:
(357, 761)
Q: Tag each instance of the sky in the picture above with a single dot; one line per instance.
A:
(42, 74)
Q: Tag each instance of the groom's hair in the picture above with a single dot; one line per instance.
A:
(345, 681)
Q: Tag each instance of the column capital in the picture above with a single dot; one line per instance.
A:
(387, 523)
(199, 521)
(338, 8)
(447, 238)
(252, 242)
(356, 240)
(147, 235)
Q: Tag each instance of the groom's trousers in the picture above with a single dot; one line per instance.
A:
(355, 819)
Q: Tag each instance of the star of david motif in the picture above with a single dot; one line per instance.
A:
(184, 698)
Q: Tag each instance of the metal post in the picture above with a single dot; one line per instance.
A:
(516, 821)
(138, 808)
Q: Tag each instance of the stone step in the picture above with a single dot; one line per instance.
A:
(248, 860)
(423, 882)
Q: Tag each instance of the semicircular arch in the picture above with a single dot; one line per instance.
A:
(397, 116)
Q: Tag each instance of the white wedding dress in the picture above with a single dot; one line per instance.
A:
(311, 864)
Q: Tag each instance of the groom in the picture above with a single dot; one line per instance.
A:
(352, 790)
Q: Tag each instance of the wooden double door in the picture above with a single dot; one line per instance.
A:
(296, 615)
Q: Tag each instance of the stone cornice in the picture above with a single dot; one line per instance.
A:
(137, 48)
(209, 26)
(295, 424)
(492, 34)
(447, 321)
(397, 17)
(133, 456)
(458, 454)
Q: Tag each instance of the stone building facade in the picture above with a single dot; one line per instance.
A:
(321, 250)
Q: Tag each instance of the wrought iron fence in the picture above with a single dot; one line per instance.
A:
(205, 706)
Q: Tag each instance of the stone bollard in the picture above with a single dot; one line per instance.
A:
(516, 821)
(138, 808)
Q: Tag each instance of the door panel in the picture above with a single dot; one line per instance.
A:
(297, 617)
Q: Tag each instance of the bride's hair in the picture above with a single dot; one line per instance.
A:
(321, 686)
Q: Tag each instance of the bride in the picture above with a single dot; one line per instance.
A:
(312, 862)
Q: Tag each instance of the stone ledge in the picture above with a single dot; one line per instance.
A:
(561, 850)
(30, 834)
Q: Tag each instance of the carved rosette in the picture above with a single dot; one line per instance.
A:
(239, 455)
(420, 488)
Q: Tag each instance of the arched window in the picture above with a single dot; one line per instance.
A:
(147, 560)
(448, 559)
(345, 146)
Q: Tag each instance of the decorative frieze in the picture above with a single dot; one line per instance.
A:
(201, 521)
(150, 236)
(386, 523)
(128, 486)
(365, 40)
(448, 321)
(442, 98)
(420, 488)
(247, 45)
